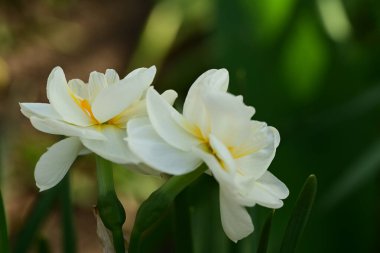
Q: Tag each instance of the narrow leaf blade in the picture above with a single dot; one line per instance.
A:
(300, 215)
(35, 218)
(264, 239)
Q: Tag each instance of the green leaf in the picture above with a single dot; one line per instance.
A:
(4, 247)
(265, 233)
(68, 230)
(158, 202)
(300, 215)
(32, 223)
(183, 235)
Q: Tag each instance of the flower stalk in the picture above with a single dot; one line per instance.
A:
(111, 210)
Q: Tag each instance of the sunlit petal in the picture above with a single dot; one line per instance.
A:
(194, 109)
(62, 99)
(116, 98)
(79, 88)
(111, 76)
(170, 96)
(52, 126)
(96, 83)
(229, 117)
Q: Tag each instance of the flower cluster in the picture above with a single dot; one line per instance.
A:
(127, 121)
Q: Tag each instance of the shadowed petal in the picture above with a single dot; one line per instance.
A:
(256, 154)
(157, 153)
(40, 110)
(54, 164)
(164, 119)
(268, 191)
(236, 221)
(113, 148)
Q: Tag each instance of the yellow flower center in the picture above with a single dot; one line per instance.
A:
(86, 107)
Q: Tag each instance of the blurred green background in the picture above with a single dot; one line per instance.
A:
(311, 68)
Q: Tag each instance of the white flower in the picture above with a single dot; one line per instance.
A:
(92, 115)
(215, 128)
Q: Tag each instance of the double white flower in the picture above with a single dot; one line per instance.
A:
(93, 115)
(215, 128)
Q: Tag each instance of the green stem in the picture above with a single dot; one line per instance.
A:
(4, 247)
(69, 243)
(111, 210)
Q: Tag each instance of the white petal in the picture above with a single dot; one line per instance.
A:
(62, 99)
(170, 96)
(138, 109)
(276, 135)
(223, 154)
(96, 84)
(52, 126)
(157, 153)
(164, 119)
(268, 191)
(236, 221)
(260, 148)
(79, 88)
(193, 109)
(112, 76)
(54, 164)
(40, 110)
(113, 148)
(229, 117)
(224, 177)
(116, 98)
(227, 179)
(213, 79)
(274, 185)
